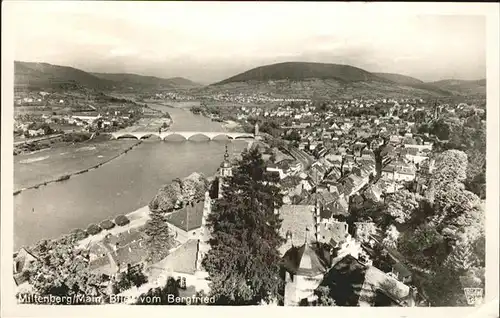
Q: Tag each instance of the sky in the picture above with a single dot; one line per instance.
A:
(210, 41)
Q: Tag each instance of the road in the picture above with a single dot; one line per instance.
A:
(301, 156)
(16, 143)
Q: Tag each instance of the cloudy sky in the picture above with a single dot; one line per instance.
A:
(208, 42)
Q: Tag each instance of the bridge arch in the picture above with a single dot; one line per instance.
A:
(223, 135)
(123, 136)
(168, 137)
(144, 136)
(244, 136)
(198, 134)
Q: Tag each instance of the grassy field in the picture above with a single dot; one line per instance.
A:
(48, 164)
(148, 124)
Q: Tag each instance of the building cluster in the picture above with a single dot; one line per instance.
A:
(177, 96)
(321, 251)
(69, 113)
(249, 98)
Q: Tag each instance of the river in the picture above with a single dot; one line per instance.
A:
(120, 186)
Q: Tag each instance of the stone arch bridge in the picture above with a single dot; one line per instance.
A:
(186, 134)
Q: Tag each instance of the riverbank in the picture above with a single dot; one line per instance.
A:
(137, 218)
(124, 184)
(57, 166)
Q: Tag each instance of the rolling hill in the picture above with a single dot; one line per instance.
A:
(462, 87)
(290, 79)
(298, 71)
(43, 76)
(400, 79)
(321, 80)
(134, 80)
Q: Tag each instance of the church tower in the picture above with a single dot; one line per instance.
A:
(203, 242)
(256, 132)
(225, 171)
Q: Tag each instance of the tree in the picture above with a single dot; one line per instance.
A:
(94, 229)
(243, 262)
(62, 270)
(121, 220)
(458, 211)
(443, 288)
(161, 295)
(271, 127)
(368, 212)
(391, 237)
(425, 247)
(401, 205)
(446, 127)
(324, 298)
(461, 259)
(158, 238)
(134, 276)
(480, 250)
(451, 166)
(292, 135)
(47, 130)
(107, 224)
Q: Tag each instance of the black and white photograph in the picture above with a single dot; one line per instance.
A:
(271, 154)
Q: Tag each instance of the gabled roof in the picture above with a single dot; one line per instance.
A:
(340, 207)
(182, 259)
(131, 254)
(188, 218)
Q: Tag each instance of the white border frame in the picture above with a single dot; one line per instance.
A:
(9, 308)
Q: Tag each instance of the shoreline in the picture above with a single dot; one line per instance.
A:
(69, 175)
(137, 218)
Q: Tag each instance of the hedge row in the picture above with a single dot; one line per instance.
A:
(94, 229)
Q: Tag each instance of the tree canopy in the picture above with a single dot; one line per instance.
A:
(324, 297)
(425, 247)
(62, 270)
(243, 262)
(401, 205)
(451, 166)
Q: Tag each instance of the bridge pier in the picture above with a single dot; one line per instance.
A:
(186, 134)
